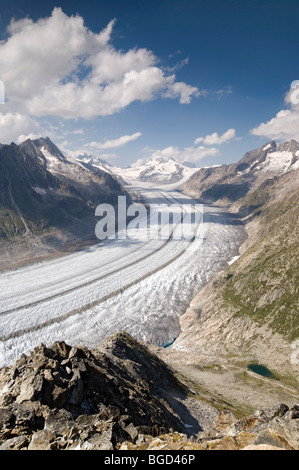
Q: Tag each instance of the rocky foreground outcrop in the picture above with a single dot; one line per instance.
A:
(276, 428)
(119, 396)
(70, 397)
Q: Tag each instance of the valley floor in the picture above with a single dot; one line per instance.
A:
(225, 384)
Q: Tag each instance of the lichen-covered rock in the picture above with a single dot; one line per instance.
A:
(282, 433)
(263, 430)
(15, 443)
(279, 410)
(66, 397)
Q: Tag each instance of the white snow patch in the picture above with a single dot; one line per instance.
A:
(160, 168)
(278, 162)
(244, 172)
(52, 161)
(102, 167)
(40, 190)
(295, 165)
(267, 147)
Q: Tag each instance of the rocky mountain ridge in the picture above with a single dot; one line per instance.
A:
(47, 201)
(156, 170)
(94, 160)
(119, 396)
(226, 184)
(164, 170)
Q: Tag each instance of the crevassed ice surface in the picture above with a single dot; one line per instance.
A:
(138, 284)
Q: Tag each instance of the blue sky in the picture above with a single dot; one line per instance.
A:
(203, 81)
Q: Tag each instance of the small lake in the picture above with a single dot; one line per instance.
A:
(262, 370)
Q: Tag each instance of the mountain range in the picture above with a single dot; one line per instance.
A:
(94, 161)
(48, 201)
(226, 184)
(164, 170)
(157, 169)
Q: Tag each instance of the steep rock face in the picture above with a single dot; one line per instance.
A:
(47, 202)
(226, 184)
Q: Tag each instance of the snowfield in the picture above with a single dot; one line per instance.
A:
(138, 284)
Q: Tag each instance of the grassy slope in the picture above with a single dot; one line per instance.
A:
(264, 282)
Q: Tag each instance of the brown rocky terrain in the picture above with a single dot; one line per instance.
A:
(118, 397)
(63, 397)
(270, 429)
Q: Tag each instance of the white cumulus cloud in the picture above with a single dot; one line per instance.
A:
(56, 66)
(188, 154)
(285, 125)
(16, 127)
(215, 139)
(114, 143)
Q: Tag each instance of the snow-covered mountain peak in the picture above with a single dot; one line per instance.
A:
(93, 160)
(270, 158)
(280, 158)
(159, 159)
(45, 151)
(50, 150)
(166, 165)
(229, 183)
(156, 169)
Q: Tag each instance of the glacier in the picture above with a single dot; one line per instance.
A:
(139, 285)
